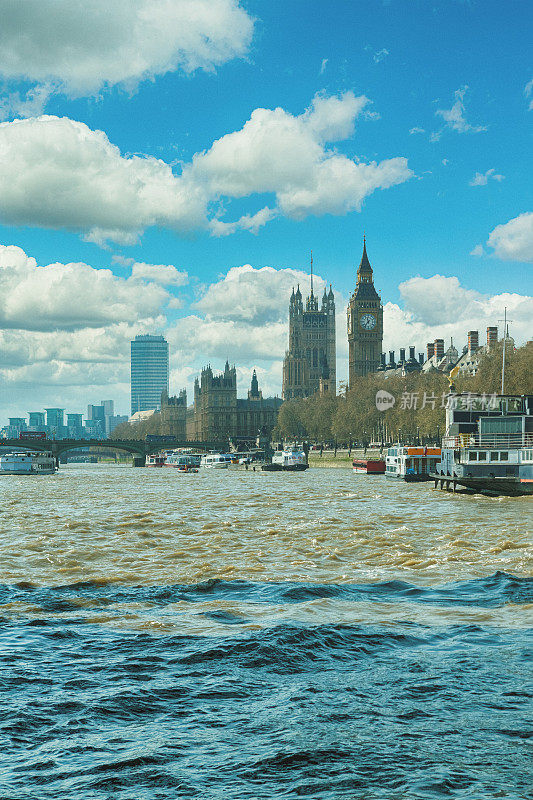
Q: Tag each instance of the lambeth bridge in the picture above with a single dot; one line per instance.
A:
(139, 448)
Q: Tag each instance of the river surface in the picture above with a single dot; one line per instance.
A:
(239, 635)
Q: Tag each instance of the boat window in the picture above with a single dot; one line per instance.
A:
(472, 455)
(494, 456)
(482, 456)
(504, 456)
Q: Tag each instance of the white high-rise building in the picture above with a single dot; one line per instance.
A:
(149, 372)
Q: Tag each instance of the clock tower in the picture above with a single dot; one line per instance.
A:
(365, 324)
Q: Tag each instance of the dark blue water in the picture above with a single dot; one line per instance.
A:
(372, 709)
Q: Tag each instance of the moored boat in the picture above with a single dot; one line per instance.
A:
(183, 462)
(155, 460)
(488, 446)
(411, 464)
(368, 466)
(27, 463)
(287, 461)
(216, 461)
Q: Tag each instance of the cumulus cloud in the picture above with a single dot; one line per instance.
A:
(58, 173)
(454, 117)
(482, 178)
(416, 129)
(477, 251)
(70, 296)
(441, 307)
(30, 105)
(513, 241)
(82, 48)
(165, 274)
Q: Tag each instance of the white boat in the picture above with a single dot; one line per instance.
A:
(27, 463)
(287, 460)
(216, 461)
(411, 464)
(183, 462)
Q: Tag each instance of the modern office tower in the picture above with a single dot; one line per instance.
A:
(37, 421)
(149, 372)
(96, 416)
(54, 418)
(75, 426)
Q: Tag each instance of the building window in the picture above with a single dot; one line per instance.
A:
(504, 456)
(482, 456)
(472, 455)
(494, 456)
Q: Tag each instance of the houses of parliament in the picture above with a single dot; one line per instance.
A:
(310, 361)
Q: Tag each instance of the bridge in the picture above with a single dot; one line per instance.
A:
(139, 448)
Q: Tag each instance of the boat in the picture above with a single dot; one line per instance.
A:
(411, 464)
(287, 461)
(27, 463)
(216, 461)
(369, 466)
(182, 462)
(155, 460)
(488, 445)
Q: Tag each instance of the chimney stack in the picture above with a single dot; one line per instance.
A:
(492, 337)
(473, 341)
(383, 358)
(402, 355)
(412, 354)
(391, 358)
(421, 358)
(439, 348)
(430, 350)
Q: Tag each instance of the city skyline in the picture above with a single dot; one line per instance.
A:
(335, 136)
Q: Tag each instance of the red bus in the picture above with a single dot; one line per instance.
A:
(32, 435)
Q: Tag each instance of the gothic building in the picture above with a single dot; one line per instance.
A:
(174, 414)
(365, 324)
(217, 413)
(310, 361)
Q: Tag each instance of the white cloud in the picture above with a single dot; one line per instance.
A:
(482, 178)
(454, 117)
(513, 241)
(70, 296)
(58, 173)
(380, 55)
(441, 307)
(323, 66)
(165, 274)
(33, 104)
(477, 251)
(84, 47)
(528, 91)
(416, 129)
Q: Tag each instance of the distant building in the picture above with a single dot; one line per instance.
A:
(217, 413)
(75, 426)
(55, 425)
(37, 421)
(149, 372)
(403, 366)
(310, 361)
(174, 415)
(365, 324)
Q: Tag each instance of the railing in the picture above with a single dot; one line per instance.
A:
(487, 441)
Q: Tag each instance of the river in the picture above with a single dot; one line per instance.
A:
(261, 635)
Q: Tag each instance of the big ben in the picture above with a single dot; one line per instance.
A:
(365, 324)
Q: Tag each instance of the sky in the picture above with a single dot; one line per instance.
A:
(167, 166)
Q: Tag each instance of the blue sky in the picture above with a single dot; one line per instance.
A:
(436, 95)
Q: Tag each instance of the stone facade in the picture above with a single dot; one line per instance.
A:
(365, 324)
(217, 413)
(174, 415)
(310, 361)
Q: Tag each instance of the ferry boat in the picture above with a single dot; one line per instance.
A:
(369, 466)
(488, 445)
(155, 460)
(27, 463)
(411, 464)
(216, 461)
(183, 462)
(287, 460)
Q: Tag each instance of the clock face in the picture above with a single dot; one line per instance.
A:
(368, 321)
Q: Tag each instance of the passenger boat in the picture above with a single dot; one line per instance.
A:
(288, 461)
(216, 461)
(155, 460)
(183, 462)
(27, 463)
(368, 466)
(411, 464)
(488, 445)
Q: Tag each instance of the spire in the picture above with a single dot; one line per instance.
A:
(311, 273)
(364, 272)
